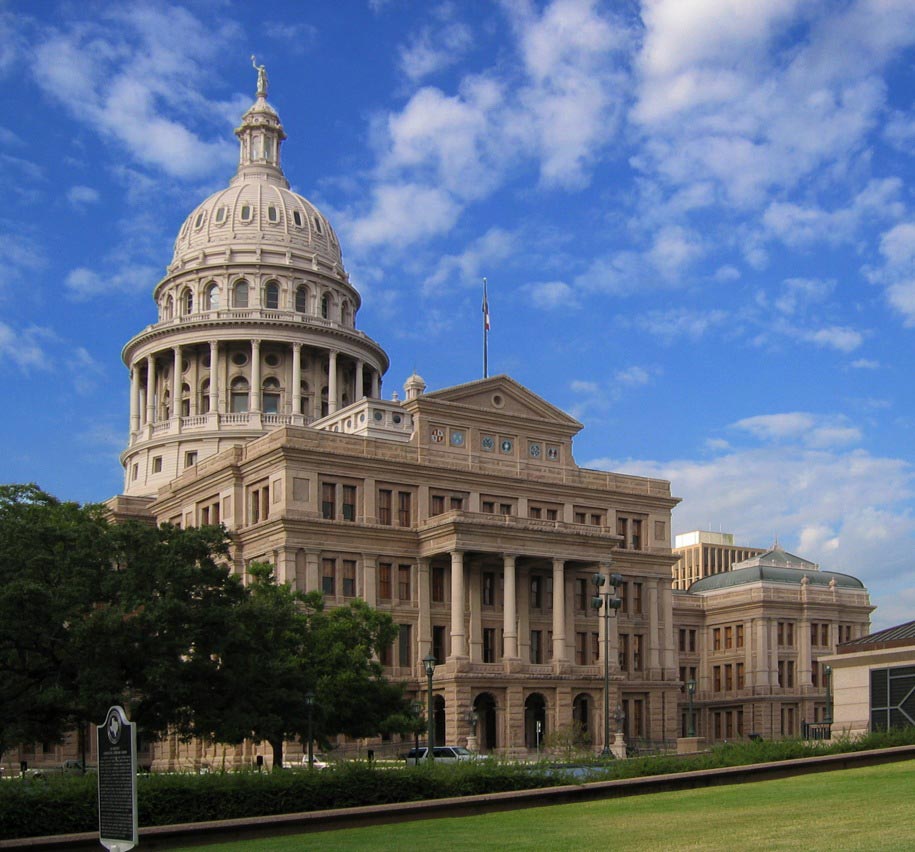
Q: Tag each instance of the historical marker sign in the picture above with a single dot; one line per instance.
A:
(117, 782)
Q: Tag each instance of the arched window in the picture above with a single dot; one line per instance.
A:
(185, 400)
(169, 307)
(272, 296)
(301, 300)
(239, 395)
(166, 405)
(325, 306)
(240, 294)
(187, 301)
(271, 396)
(344, 313)
(305, 399)
(325, 407)
(203, 403)
(211, 297)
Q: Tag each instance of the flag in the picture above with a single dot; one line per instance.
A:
(485, 308)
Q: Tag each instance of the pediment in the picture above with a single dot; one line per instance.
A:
(504, 396)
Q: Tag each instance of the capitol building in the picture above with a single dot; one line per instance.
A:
(257, 402)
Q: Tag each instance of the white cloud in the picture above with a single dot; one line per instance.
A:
(435, 48)
(799, 292)
(84, 283)
(633, 376)
(25, 347)
(477, 261)
(128, 76)
(550, 295)
(300, 36)
(802, 427)
(82, 196)
(897, 272)
(865, 364)
(678, 323)
(20, 255)
(585, 387)
(836, 337)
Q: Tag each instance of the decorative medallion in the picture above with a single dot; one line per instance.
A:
(552, 453)
(457, 438)
(534, 450)
(488, 443)
(438, 436)
(507, 445)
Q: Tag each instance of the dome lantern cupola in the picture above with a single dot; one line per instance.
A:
(260, 136)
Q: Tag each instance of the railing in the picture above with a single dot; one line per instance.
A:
(277, 419)
(816, 730)
(235, 419)
(196, 420)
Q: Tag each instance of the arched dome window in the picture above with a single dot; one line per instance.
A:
(240, 294)
(301, 300)
(166, 405)
(272, 296)
(203, 401)
(185, 400)
(211, 297)
(325, 306)
(239, 395)
(325, 408)
(305, 399)
(344, 312)
(169, 311)
(271, 396)
(187, 301)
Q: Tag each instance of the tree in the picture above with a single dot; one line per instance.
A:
(283, 646)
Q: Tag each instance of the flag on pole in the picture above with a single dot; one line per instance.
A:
(485, 308)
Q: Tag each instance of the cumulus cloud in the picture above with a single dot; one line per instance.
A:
(83, 283)
(836, 337)
(437, 47)
(675, 323)
(138, 87)
(81, 197)
(803, 427)
(550, 295)
(25, 347)
(477, 261)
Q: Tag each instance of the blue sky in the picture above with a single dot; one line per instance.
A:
(696, 218)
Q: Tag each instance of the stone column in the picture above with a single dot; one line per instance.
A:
(313, 570)
(559, 611)
(772, 660)
(476, 624)
(134, 397)
(150, 389)
(376, 384)
(296, 379)
(424, 625)
(332, 383)
(510, 608)
(802, 637)
(255, 403)
(761, 667)
(369, 578)
(214, 377)
(458, 648)
(654, 637)
(358, 393)
(176, 384)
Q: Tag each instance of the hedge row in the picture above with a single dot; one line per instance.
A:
(66, 804)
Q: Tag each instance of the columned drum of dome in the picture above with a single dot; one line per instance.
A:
(256, 323)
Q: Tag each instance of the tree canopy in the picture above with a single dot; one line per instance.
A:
(94, 613)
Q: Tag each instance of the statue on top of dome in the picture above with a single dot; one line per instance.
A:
(261, 78)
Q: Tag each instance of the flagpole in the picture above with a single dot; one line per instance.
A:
(485, 332)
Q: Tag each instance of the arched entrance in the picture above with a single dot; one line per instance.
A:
(581, 716)
(534, 720)
(438, 715)
(485, 707)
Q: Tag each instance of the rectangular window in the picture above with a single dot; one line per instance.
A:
(636, 534)
(349, 578)
(682, 645)
(716, 639)
(624, 652)
(716, 678)
(456, 504)
(581, 594)
(581, 649)
(328, 576)
(637, 598)
(739, 635)
(489, 588)
(824, 635)
(190, 458)
(438, 584)
(384, 655)
(403, 582)
(384, 581)
(329, 501)
(596, 520)
(622, 592)
(536, 601)
(552, 514)
(535, 512)
(438, 643)
(692, 641)
(403, 508)
(349, 502)
(384, 506)
(536, 646)
(438, 505)
(741, 678)
(489, 644)
(157, 464)
(728, 678)
(595, 647)
(404, 647)
(135, 472)
(637, 643)
(488, 507)
(505, 508)
(728, 637)
(579, 517)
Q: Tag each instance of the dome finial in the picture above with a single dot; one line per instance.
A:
(261, 78)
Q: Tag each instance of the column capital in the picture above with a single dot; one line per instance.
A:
(297, 347)
(256, 341)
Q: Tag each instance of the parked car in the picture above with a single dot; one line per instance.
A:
(441, 754)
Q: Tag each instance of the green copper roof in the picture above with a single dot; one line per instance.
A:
(773, 567)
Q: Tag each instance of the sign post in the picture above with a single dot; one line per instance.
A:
(117, 782)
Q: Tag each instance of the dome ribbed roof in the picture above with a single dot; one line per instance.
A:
(258, 208)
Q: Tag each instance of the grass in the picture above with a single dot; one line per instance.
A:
(853, 809)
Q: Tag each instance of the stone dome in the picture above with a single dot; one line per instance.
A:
(258, 209)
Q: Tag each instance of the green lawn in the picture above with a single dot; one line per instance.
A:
(856, 809)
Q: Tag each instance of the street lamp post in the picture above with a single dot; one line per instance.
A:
(417, 711)
(310, 706)
(827, 674)
(429, 663)
(690, 721)
(610, 603)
